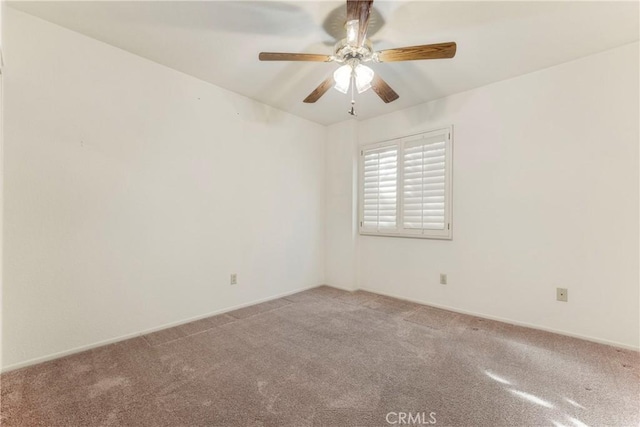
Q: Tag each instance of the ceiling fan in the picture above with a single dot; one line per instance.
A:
(355, 50)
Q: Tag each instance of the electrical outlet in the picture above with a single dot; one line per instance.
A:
(562, 294)
(443, 279)
(234, 279)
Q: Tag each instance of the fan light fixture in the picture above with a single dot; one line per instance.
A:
(363, 77)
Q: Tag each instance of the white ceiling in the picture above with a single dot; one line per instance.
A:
(219, 42)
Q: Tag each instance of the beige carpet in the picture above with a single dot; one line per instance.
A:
(330, 358)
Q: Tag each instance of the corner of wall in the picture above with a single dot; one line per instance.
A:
(341, 205)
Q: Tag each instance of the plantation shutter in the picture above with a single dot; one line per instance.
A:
(380, 187)
(424, 161)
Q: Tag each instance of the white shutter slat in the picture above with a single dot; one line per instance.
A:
(423, 189)
(380, 188)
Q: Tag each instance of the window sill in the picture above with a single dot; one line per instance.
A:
(408, 235)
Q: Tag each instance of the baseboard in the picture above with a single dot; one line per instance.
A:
(80, 349)
(505, 320)
(342, 288)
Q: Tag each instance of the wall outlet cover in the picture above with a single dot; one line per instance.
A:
(562, 294)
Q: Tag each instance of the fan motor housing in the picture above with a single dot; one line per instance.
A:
(346, 53)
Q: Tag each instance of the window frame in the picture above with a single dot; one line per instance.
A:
(400, 231)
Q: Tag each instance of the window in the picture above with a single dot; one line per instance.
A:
(405, 186)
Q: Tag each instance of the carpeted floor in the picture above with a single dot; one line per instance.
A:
(326, 357)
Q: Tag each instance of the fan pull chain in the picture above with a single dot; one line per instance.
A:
(352, 111)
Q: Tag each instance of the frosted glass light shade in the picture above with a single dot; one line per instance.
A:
(342, 77)
(364, 75)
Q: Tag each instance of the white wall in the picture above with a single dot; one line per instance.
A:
(341, 214)
(132, 191)
(545, 186)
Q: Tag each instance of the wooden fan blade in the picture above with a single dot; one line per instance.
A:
(319, 91)
(383, 90)
(360, 10)
(277, 56)
(426, 51)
